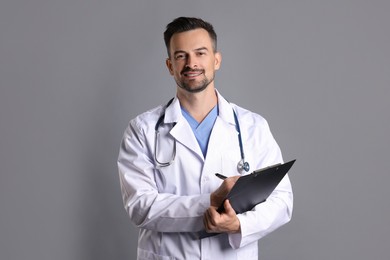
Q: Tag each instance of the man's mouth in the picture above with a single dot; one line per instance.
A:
(192, 74)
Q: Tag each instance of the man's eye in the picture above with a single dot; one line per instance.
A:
(179, 57)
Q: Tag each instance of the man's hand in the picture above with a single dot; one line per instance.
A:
(217, 197)
(225, 222)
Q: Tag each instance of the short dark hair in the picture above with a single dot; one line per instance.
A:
(183, 24)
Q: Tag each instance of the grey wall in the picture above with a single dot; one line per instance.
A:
(73, 73)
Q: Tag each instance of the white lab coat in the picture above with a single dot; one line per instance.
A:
(168, 203)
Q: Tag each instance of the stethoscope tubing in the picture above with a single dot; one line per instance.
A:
(242, 164)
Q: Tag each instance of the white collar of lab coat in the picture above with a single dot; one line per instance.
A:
(173, 111)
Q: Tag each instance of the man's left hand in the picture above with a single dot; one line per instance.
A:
(224, 222)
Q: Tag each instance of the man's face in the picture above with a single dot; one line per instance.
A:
(192, 60)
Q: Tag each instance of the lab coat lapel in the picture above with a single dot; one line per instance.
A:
(182, 131)
(183, 134)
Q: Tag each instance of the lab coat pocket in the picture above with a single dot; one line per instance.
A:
(148, 255)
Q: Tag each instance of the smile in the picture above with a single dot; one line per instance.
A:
(192, 74)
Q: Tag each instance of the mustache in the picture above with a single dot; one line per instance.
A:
(187, 69)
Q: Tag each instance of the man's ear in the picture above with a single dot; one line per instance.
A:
(169, 65)
(218, 60)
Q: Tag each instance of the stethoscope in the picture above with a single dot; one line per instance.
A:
(242, 164)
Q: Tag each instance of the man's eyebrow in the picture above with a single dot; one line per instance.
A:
(197, 49)
(202, 49)
(179, 51)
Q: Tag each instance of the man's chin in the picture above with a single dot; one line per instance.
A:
(194, 89)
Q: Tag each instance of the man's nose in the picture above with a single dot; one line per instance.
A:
(192, 62)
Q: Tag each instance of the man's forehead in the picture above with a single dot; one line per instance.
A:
(194, 39)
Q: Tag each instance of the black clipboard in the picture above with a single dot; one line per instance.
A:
(253, 189)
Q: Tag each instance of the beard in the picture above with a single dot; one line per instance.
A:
(193, 86)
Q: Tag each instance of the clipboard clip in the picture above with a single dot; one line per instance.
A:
(257, 172)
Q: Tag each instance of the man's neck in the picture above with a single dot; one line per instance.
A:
(198, 105)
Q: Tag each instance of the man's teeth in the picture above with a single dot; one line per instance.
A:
(192, 74)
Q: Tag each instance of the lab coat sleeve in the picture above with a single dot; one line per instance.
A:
(271, 214)
(147, 207)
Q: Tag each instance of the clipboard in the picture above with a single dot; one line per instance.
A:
(253, 189)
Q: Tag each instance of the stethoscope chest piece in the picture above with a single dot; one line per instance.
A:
(243, 166)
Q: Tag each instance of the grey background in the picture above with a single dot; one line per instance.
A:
(73, 73)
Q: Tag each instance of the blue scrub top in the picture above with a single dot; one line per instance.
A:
(202, 130)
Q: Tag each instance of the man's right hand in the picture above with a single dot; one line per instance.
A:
(218, 196)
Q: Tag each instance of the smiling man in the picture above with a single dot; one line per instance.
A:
(168, 157)
(193, 61)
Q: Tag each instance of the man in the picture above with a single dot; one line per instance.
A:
(167, 179)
